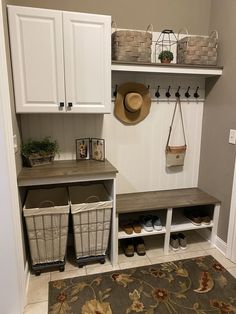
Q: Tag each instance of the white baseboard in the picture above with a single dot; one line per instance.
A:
(219, 243)
(27, 278)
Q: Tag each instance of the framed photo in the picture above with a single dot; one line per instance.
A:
(82, 148)
(98, 149)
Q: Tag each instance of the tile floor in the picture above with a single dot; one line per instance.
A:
(37, 299)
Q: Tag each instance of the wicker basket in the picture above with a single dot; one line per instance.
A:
(201, 50)
(38, 160)
(134, 46)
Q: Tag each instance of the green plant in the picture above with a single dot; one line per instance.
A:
(40, 148)
(166, 55)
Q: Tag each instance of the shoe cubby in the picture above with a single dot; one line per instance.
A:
(175, 209)
(182, 218)
(133, 218)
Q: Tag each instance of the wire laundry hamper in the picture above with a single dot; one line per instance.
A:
(46, 213)
(91, 208)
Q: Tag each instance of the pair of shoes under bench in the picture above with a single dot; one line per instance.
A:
(178, 241)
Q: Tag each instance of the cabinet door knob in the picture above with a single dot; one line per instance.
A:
(61, 105)
(70, 104)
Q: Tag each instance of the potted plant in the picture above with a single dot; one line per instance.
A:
(166, 56)
(37, 153)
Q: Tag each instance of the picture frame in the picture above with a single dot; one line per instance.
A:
(98, 149)
(82, 148)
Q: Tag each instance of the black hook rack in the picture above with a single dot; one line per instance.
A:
(187, 95)
(115, 91)
(196, 95)
(157, 93)
(177, 94)
(168, 94)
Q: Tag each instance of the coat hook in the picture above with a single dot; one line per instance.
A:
(168, 93)
(148, 87)
(177, 94)
(196, 95)
(187, 95)
(157, 94)
(115, 91)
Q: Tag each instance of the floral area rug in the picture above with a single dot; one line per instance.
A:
(199, 285)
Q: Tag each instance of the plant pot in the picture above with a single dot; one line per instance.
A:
(165, 61)
(38, 160)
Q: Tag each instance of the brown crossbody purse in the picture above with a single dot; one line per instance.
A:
(175, 155)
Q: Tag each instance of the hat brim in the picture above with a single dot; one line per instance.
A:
(120, 110)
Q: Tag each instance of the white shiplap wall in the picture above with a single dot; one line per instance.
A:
(138, 151)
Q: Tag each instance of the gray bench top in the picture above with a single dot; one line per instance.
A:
(143, 201)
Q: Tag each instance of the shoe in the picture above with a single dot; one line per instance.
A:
(146, 222)
(205, 218)
(193, 215)
(136, 226)
(182, 241)
(128, 247)
(127, 228)
(156, 222)
(139, 246)
(174, 242)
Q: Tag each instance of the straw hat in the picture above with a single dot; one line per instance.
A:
(132, 103)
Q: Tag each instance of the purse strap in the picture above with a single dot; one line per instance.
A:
(182, 121)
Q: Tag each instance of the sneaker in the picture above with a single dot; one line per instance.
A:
(193, 215)
(182, 241)
(156, 222)
(146, 222)
(205, 218)
(174, 242)
(139, 246)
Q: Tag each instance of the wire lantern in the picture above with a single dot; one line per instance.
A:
(165, 42)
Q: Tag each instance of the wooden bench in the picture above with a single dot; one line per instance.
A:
(169, 202)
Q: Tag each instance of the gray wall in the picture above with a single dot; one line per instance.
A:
(217, 155)
(135, 14)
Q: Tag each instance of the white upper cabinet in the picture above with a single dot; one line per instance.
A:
(61, 60)
(87, 51)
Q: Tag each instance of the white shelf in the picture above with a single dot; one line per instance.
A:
(168, 69)
(180, 223)
(143, 233)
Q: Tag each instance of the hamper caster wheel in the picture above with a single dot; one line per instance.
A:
(102, 261)
(37, 272)
(61, 268)
(81, 265)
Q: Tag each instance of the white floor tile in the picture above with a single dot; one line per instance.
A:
(36, 308)
(38, 288)
(232, 271)
(100, 268)
(193, 254)
(164, 258)
(76, 272)
(143, 261)
(221, 258)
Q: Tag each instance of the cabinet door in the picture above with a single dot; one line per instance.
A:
(87, 49)
(37, 59)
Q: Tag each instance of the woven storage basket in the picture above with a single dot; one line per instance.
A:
(201, 50)
(134, 46)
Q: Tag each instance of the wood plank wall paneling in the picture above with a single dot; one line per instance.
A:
(138, 151)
